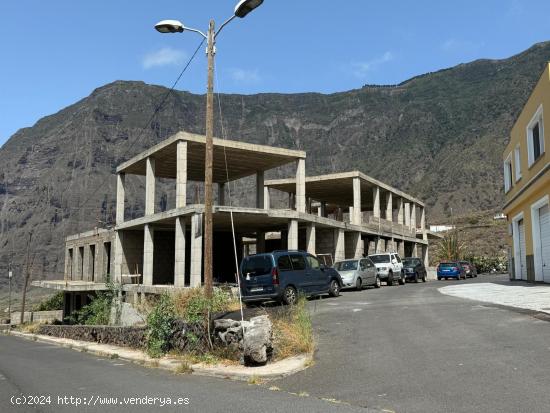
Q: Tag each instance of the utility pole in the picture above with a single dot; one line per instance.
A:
(208, 161)
(27, 276)
(10, 274)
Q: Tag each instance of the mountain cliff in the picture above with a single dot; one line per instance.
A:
(438, 136)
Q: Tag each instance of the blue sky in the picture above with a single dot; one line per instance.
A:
(56, 52)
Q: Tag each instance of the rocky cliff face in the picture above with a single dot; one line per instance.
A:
(438, 136)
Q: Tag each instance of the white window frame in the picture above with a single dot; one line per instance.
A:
(537, 118)
(535, 225)
(508, 173)
(517, 162)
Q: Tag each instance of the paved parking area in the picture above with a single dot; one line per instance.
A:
(516, 294)
(412, 349)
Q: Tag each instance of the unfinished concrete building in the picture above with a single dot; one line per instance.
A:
(342, 215)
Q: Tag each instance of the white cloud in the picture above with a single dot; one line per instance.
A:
(362, 69)
(163, 57)
(244, 76)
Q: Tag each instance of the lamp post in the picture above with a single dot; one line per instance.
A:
(174, 26)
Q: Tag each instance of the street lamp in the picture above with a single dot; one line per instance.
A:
(175, 26)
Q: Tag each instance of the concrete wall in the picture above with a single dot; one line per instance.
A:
(37, 316)
(86, 258)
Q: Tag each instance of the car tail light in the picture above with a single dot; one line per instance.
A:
(275, 276)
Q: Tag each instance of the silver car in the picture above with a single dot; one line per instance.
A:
(357, 273)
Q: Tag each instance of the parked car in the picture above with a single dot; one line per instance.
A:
(450, 269)
(281, 275)
(469, 268)
(389, 267)
(414, 269)
(357, 273)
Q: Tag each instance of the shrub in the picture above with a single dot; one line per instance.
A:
(292, 330)
(160, 322)
(55, 302)
(489, 264)
(450, 247)
(98, 312)
(193, 306)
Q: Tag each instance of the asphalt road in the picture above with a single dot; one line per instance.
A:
(402, 349)
(411, 349)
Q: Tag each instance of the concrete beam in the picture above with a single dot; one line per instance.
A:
(311, 238)
(179, 249)
(301, 185)
(260, 189)
(120, 195)
(339, 245)
(376, 202)
(150, 187)
(293, 234)
(389, 206)
(148, 250)
(196, 250)
(357, 215)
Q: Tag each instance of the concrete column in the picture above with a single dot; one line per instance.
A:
(407, 214)
(389, 206)
(422, 218)
(400, 214)
(260, 189)
(86, 264)
(148, 248)
(376, 202)
(401, 248)
(357, 216)
(301, 185)
(196, 250)
(150, 186)
(358, 245)
(339, 245)
(425, 256)
(260, 242)
(179, 249)
(267, 198)
(221, 193)
(181, 174)
(118, 256)
(323, 209)
(67, 270)
(415, 250)
(293, 234)
(413, 216)
(120, 195)
(371, 247)
(379, 245)
(310, 238)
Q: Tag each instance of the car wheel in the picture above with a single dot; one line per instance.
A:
(424, 278)
(377, 282)
(289, 295)
(390, 279)
(438, 278)
(415, 277)
(358, 284)
(402, 279)
(334, 289)
(475, 275)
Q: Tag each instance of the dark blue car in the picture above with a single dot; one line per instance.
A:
(450, 269)
(281, 275)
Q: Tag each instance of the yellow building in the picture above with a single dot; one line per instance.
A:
(527, 186)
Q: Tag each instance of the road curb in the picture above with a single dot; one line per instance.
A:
(272, 371)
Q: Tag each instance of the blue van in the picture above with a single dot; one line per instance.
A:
(281, 275)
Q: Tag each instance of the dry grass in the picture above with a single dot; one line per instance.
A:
(31, 328)
(183, 368)
(292, 330)
(192, 305)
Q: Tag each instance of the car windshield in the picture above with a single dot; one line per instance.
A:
(409, 262)
(448, 264)
(346, 265)
(379, 259)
